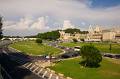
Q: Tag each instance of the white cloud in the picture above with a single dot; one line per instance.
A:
(25, 24)
(67, 24)
(21, 25)
(61, 9)
(56, 9)
(40, 24)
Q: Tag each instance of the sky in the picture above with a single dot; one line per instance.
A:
(29, 17)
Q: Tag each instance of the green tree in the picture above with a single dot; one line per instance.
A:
(1, 24)
(72, 31)
(38, 40)
(53, 35)
(84, 32)
(75, 30)
(75, 40)
(91, 56)
(82, 39)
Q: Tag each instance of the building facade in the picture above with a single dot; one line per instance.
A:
(96, 34)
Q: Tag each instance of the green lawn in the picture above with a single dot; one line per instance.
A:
(31, 47)
(108, 69)
(103, 47)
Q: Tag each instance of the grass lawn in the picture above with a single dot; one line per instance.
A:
(108, 69)
(31, 47)
(103, 47)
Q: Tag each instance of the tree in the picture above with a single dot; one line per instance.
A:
(84, 32)
(53, 35)
(75, 30)
(82, 39)
(1, 34)
(91, 56)
(75, 40)
(72, 31)
(38, 40)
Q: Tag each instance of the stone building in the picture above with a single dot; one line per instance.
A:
(69, 37)
(108, 36)
(65, 36)
(96, 34)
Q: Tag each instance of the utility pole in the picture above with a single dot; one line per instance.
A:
(110, 48)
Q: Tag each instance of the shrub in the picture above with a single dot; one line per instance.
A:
(38, 40)
(75, 40)
(91, 56)
(82, 40)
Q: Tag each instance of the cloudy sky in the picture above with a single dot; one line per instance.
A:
(28, 17)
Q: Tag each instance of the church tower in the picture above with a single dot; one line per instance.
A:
(90, 30)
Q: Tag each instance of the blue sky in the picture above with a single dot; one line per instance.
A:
(28, 17)
(104, 3)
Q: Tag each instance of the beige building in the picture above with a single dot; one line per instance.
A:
(108, 36)
(94, 34)
(117, 37)
(67, 36)
(64, 36)
(97, 34)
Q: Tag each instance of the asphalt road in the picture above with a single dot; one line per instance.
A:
(14, 69)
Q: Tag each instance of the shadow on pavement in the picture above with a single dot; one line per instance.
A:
(15, 69)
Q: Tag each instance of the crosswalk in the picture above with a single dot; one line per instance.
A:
(41, 71)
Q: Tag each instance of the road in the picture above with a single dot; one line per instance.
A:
(15, 70)
(22, 66)
(28, 62)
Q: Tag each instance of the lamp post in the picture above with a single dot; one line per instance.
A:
(110, 48)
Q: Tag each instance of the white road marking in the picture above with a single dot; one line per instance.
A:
(57, 77)
(35, 69)
(50, 76)
(25, 64)
(44, 74)
(28, 65)
(40, 71)
(5, 52)
(32, 66)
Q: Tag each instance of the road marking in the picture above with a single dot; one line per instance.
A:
(40, 71)
(5, 52)
(57, 77)
(25, 64)
(35, 69)
(50, 76)
(28, 65)
(44, 74)
(32, 66)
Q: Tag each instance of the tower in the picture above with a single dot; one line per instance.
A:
(90, 30)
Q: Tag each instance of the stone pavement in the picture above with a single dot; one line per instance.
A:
(42, 71)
